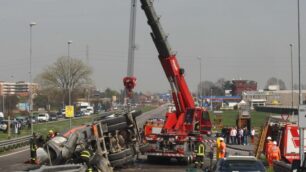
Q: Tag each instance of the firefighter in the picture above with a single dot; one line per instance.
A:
(200, 152)
(50, 135)
(268, 145)
(33, 148)
(274, 153)
(222, 148)
(85, 156)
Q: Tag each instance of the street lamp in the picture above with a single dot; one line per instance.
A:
(69, 77)
(200, 87)
(69, 80)
(291, 76)
(30, 77)
(211, 99)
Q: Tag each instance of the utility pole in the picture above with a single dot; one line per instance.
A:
(69, 80)
(30, 79)
(301, 130)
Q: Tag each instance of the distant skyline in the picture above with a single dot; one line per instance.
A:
(238, 39)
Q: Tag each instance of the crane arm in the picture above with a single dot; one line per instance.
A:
(180, 92)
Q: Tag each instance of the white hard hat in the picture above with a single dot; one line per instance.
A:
(269, 138)
(274, 142)
(221, 139)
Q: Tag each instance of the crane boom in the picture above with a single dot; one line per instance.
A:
(180, 91)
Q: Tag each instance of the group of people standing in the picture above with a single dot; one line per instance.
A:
(240, 136)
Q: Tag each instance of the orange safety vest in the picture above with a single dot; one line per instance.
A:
(274, 152)
(269, 144)
(222, 149)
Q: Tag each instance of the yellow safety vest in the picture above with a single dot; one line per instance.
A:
(201, 150)
(85, 154)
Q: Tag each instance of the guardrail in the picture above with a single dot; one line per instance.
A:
(14, 143)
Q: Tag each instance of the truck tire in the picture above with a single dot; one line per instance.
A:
(119, 126)
(121, 162)
(120, 155)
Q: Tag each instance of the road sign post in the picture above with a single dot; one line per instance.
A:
(302, 126)
(69, 113)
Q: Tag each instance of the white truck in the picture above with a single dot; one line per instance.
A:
(85, 108)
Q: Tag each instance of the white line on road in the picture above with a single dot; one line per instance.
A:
(13, 153)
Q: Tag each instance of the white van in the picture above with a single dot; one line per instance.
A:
(43, 117)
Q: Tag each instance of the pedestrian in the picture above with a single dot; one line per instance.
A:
(274, 153)
(240, 136)
(235, 135)
(252, 135)
(222, 148)
(245, 136)
(268, 145)
(228, 131)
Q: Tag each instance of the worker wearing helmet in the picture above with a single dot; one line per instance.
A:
(222, 148)
(274, 153)
(200, 152)
(51, 135)
(33, 148)
(268, 145)
(86, 155)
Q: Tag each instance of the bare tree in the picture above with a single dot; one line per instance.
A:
(58, 76)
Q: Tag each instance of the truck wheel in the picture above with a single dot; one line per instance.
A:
(118, 126)
(120, 155)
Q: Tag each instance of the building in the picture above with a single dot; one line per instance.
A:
(20, 88)
(277, 97)
(240, 86)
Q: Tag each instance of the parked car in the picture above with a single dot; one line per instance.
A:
(239, 163)
(22, 119)
(79, 114)
(43, 117)
(53, 117)
(86, 113)
(60, 115)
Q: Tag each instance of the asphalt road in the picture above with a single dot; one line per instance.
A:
(14, 161)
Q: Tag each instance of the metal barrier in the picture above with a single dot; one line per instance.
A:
(281, 166)
(14, 143)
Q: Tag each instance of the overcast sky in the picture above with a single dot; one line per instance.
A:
(236, 39)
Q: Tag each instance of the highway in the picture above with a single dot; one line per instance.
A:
(14, 161)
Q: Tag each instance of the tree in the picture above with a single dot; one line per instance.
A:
(41, 101)
(10, 103)
(275, 81)
(58, 76)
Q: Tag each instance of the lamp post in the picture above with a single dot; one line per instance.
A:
(30, 78)
(301, 130)
(211, 99)
(291, 76)
(200, 85)
(69, 79)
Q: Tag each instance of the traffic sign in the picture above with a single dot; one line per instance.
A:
(302, 116)
(69, 111)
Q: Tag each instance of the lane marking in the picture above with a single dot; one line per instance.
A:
(13, 153)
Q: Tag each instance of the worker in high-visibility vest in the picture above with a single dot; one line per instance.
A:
(85, 156)
(222, 148)
(268, 145)
(33, 148)
(273, 153)
(200, 153)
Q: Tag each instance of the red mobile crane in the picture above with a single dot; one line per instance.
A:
(182, 127)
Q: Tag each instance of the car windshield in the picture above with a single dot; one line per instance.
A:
(41, 115)
(241, 165)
